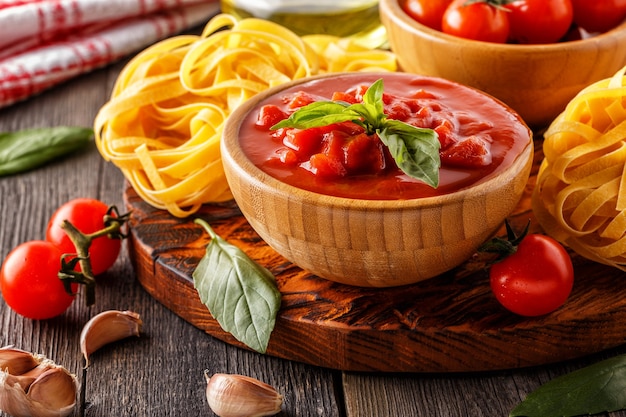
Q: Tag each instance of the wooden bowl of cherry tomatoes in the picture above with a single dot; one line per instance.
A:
(333, 200)
(534, 55)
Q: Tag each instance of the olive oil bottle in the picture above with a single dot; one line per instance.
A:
(345, 18)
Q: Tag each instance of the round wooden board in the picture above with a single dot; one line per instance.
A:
(450, 323)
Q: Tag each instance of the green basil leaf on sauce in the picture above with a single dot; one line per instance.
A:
(415, 150)
(595, 389)
(317, 114)
(239, 293)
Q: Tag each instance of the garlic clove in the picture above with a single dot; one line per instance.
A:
(17, 361)
(27, 378)
(47, 390)
(241, 396)
(55, 389)
(107, 327)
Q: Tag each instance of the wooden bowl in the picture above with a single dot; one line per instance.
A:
(535, 80)
(369, 243)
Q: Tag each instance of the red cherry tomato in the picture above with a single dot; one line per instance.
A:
(86, 215)
(29, 281)
(535, 280)
(479, 21)
(426, 12)
(539, 21)
(599, 15)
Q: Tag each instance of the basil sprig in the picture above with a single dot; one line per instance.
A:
(595, 389)
(415, 150)
(239, 293)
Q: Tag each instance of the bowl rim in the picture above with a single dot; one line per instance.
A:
(261, 179)
(394, 11)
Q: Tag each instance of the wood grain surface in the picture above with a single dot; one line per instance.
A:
(160, 374)
(450, 323)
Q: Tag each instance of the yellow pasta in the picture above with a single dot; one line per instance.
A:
(580, 195)
(163, 123)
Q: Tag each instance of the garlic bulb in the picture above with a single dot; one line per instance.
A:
(241, 396)
(106, 327)
(40, 389)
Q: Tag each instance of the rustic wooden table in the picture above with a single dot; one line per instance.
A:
(161, 373)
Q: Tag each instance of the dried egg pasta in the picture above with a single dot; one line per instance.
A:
(163, 123)
(580, 195)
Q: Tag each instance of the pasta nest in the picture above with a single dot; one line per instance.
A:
(163, 123)
(580, 195)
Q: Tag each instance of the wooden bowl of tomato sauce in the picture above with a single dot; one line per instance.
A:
(373, 225)
(536, 80)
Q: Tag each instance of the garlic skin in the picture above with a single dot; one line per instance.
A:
(241, 396)
(46, 390)
(107, 327)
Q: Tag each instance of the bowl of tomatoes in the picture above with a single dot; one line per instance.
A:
(534, 55)
(376, 179)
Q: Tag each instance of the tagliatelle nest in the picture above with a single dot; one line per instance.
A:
(580, 196)
(163, 123)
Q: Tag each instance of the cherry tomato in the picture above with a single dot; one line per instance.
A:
(535, 280)
(599, 15)
(426, 12)
(86, 214)
(479, 21)
(29, 281)
(539, 21)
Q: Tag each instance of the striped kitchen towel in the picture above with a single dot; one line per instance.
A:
(46, 42)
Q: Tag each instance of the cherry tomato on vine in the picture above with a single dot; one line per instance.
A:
(539, 21)
(599, 15)
(426, 12)
(29, 281)
(87, 215)
(535, 280)
(479, 21)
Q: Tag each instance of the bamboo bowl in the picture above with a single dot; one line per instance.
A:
(537, 81)
(368, 243)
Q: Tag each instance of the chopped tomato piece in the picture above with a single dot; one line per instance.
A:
(334, 143)
(347, 97)
(470, 152)
(326, 167)
(301, 99)
(445, 130)
(288, 157)
(304, 142)
(364, 155)
(269, 115)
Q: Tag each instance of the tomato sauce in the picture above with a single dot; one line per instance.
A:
(479, 136)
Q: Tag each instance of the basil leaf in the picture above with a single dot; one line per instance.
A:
(239, 293)
(415, 150)
(373, 101)
(595, 389)
(317, 114)
(30, 148)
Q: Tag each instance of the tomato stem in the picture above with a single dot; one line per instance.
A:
(505, 247)
(68, 274)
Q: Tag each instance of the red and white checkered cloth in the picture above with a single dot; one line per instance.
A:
(46, 42)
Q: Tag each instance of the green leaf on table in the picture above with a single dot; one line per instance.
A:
(415, 150)
(597, 388)
(27, 149)
(239, 293)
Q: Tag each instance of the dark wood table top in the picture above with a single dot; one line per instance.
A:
(161, 372)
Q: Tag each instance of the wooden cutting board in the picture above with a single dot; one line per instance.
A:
(446, 324)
